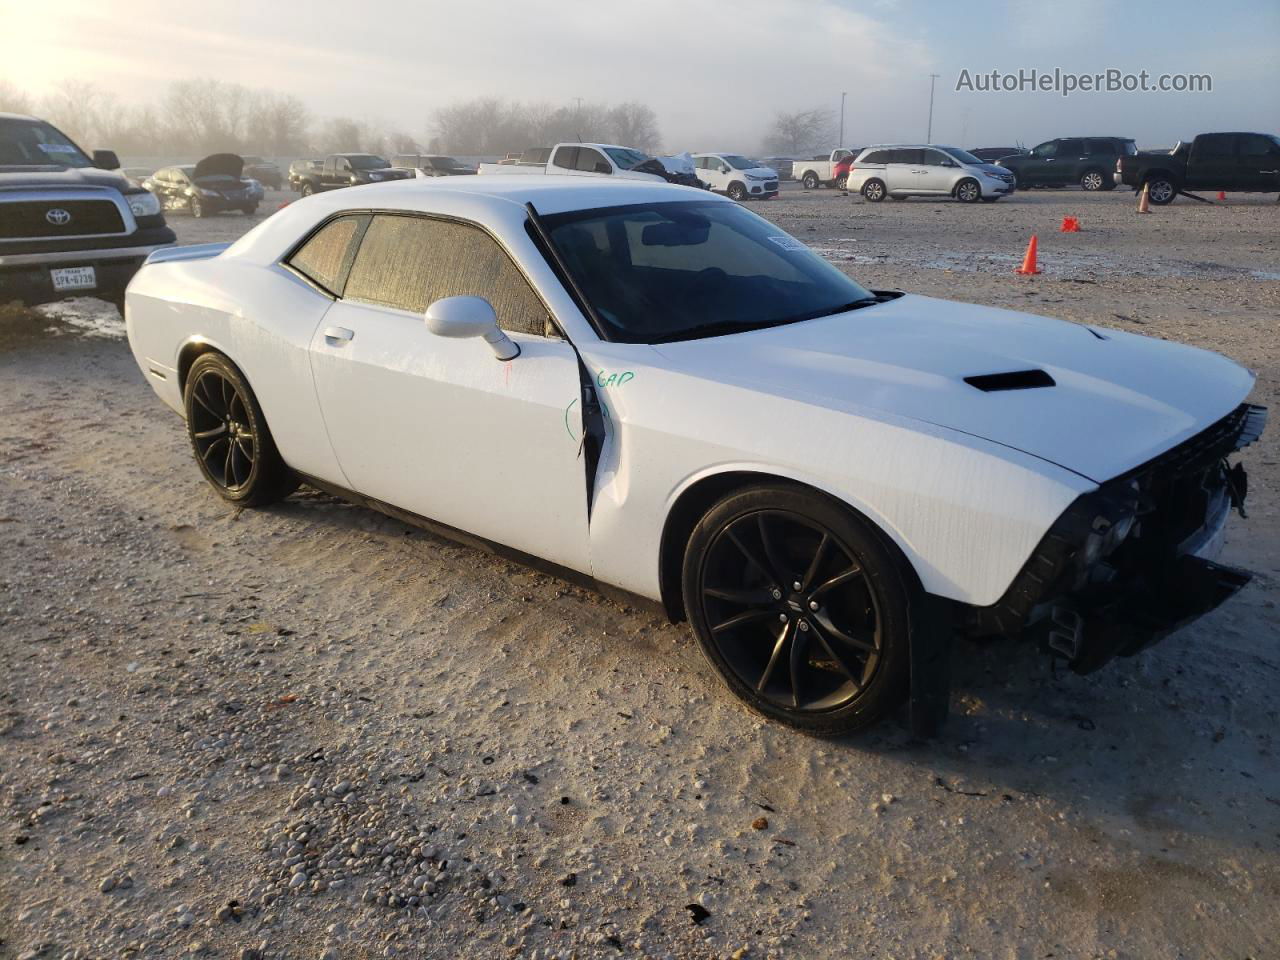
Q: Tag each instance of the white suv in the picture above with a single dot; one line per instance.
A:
(926, 170)
(736, 176)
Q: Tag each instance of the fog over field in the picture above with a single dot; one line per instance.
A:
(715, 73)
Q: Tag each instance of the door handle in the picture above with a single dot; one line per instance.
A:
(337, 335)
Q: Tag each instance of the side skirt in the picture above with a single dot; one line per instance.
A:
(447, 532)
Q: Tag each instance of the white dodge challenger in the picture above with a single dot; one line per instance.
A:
(649, 387)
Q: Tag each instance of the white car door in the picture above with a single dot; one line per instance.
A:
(440, 427)
(939, 172)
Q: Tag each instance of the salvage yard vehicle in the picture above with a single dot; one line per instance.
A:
(899, 171)
(434, 166)
(655, 389)
(341, 170)
(299, 170)
(71, 225)
(1088, 161)
(582, 160)
(1241, 162)
(213, 185)
(820, 171)
(736, 176)
(266, 172)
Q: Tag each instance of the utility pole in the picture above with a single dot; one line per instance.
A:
(843, 94)
(928, 137)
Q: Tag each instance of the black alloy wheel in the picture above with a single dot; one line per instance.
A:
(800, 609)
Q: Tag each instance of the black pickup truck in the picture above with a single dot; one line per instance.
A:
(70, 224)
(348, 170)
(1242, 162)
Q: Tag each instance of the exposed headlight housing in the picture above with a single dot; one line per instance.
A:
(144, 204)
(376, 176)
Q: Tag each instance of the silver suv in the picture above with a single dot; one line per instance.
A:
(926, 170)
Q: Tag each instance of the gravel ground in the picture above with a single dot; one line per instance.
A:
(312, 731)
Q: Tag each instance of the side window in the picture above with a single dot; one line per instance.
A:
(566, 158)
(1107, 147)
(1256, 145)
(936, 158)
(1071, 148)
(592, 161)
(913, 157)
(1046, 150)
(1214, 145)
(322, 258)
(877, 156)
(410, 262)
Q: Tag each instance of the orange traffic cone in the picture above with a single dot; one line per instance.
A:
(1070, 225)
(1222, 194)
(1029, 261)
(1144, 202)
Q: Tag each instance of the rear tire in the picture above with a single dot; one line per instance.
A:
(1093, 180)
(1161, 190)
(307, 190)
(801, 607)
(811, 181)
(873, 190)
(250, 210)
(842, 182)
(229, 436)
(737, 192)
(196, 207)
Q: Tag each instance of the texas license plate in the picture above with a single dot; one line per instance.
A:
(74, 278)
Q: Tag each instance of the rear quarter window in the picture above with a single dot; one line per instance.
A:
(323, 257)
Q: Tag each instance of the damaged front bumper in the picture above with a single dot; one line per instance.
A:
(1134, 560)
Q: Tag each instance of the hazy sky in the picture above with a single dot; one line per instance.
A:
(714, 70)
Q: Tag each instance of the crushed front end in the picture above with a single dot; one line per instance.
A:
(1134, 560)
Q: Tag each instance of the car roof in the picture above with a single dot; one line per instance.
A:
(20, 116)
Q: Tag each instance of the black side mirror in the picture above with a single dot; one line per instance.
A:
(106, 160)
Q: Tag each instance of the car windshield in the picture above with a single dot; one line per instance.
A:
(625, 157)
(737, 162)
(30, 143)
(659, 272)
(962, 155)
(367, 161)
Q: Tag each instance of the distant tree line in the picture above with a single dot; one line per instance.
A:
(196, 116)
(488, 126)
(803, 133)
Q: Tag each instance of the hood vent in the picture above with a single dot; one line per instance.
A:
(1017, 380)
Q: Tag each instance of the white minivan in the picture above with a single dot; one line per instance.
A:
(736, 176)
(925, 170)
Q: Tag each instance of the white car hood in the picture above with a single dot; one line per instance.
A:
(1116, 403)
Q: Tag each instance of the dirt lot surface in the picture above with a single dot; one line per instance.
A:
(312, 731)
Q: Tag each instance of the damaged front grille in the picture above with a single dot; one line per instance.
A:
(1165, 501)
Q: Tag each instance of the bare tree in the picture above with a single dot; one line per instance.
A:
(635, 125)
(13, 100)
(801, 133)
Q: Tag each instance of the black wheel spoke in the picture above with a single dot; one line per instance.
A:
(840, 578)
(195, 395)
(217, 431)
(779, 567)
(747, 598)
(787, 629)
(208, 451)
(227, 476)
(839, 660)
(855, 637)
(751, 555)
(798, 645)
(748, 616)
(816, 563)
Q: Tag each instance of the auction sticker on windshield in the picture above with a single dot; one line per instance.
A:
(788, 243)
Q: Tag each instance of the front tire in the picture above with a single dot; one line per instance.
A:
(307, 190)
(810, 181)
(196, 207)
(842, 182)
(800, 607)
(873, 190)
(229, 435)
(968, 191)
(250, 210)
(737, 192)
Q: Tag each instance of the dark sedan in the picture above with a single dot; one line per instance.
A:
(211, 186)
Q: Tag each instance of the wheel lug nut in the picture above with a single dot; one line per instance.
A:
(777, 594)
(796, 586)
(813, 604)
(804, 624)
(782, 617)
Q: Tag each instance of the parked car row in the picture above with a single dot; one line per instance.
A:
(214, 185)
